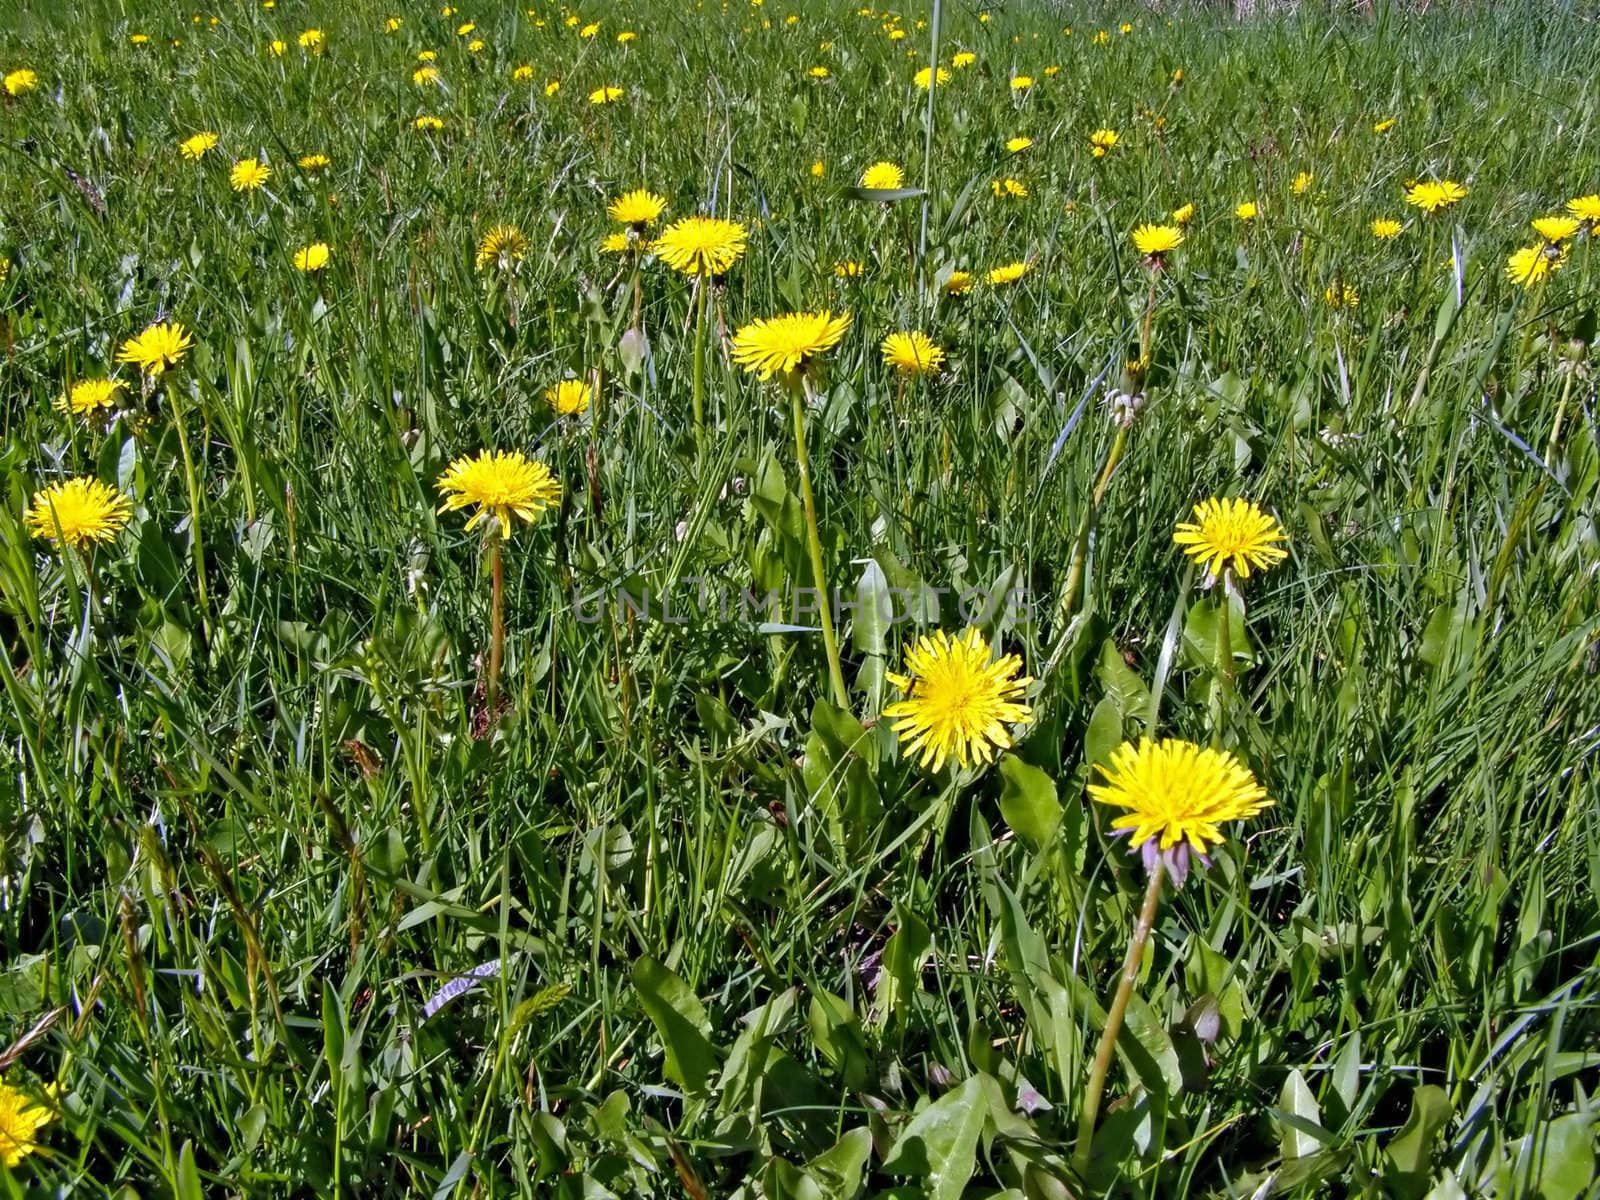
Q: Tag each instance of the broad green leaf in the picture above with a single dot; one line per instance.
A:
(1028, 802)
(680, 1021)
(1299, 1117)
(838, 1169)
(1148, 1047)
(747, 1058)
(1409, 1155)
(1347, 1072)
(1104, 734)
(940, 1144)
(1565, 1157)
(881, 195)
(903, 957)
(187, 1183)
(837, 1032)
(1121, 682)
(869, 632)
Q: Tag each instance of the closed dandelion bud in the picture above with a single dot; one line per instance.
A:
(1124, 407)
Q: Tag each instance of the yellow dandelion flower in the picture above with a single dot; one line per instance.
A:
(1017, 145)
(428, 123)
(1586, 209)
(1434, 195)
(569, 398)
(818, 72)
(21, 1119)
(1154, 240)
(159, 347)
(88, 396)
(1009, 189)
(1302, 183)
(499, 484)
(928, 77)
(1009, 273)
(139, 39)
(1103, 141)
(464, 29)
(312, 40)
(1384, 228)
(958, 702)
(1231, 535)
(522, 74)
(503, 247)
(1182, 216)
(628, 35)
(701, 245)
(427, 56)
(1342, 296)
(639, 207)
(1556, 230)
(1178, 796)
(1383, 126)
(786, 344)
(1534, 264)
(848, 269)
(551, 88)
(620, 243)
(276, 47)
(605, 95)
(313, 162)
(589, 30)
(21, 81)
(959, 283)
(1246, 210)
(1021, 83)
(427, 76)
(818, 170)
(883, 176)
(312, 258)
(963, 58)
(913, 353)
(79, 512)
(248, 174)
(392, 24)
(194, 148)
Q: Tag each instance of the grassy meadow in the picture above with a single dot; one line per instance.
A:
(349, 850)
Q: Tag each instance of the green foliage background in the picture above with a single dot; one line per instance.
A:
(739, 946)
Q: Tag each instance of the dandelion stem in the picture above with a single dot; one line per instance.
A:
(1147, 327)
(1112, 459)
(1223, 690)
(798, 397)
(497, 619)
(1119, 1007)
(703, 284)
(196, 546)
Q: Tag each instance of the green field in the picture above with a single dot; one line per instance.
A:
(351, 850)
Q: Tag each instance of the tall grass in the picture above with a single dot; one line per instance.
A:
(304, 920)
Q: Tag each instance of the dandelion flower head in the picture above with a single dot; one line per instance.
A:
(786, 344)
(638, 207)
(79, 512)
(959, 700)
(499, 484)
(158, 347)
(1232, 534)
(882, 176)
(912, 353)
(701, 245)
(1177, 797)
